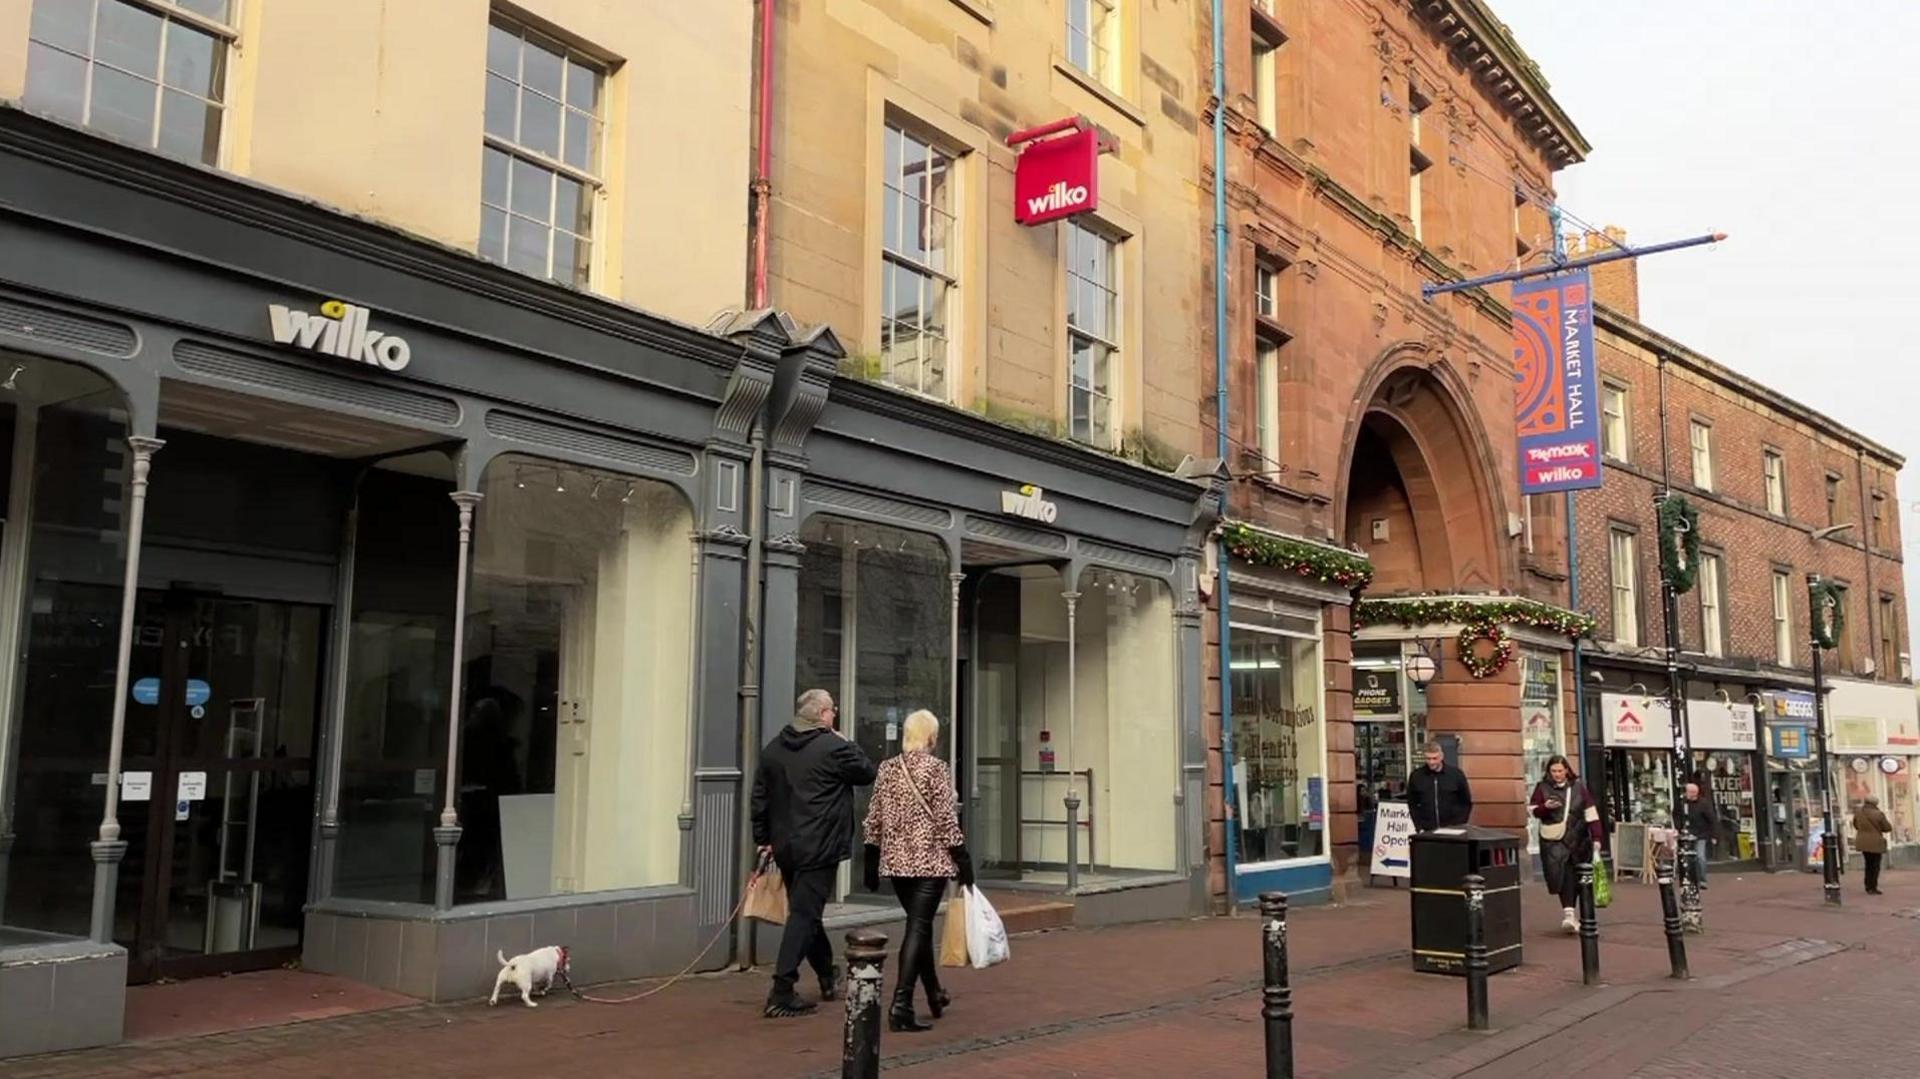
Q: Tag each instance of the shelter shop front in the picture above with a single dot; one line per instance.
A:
(1876, 750)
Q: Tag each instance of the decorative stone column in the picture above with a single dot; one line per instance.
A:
(447, 835)
(109, 848)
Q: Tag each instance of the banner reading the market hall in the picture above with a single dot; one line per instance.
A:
(1556, 396)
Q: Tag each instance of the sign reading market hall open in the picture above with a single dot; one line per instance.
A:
(1058, 172)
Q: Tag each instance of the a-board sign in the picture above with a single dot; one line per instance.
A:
(1393, 841)
(1630, 846)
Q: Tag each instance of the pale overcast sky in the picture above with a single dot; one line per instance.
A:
(1791, 127)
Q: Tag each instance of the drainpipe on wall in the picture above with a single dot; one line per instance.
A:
(744, 937)
(1874, 629)
(1220, 423)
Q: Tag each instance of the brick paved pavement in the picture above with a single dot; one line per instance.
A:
(1180, 999)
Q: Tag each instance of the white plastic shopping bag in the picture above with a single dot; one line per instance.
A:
(986, 934)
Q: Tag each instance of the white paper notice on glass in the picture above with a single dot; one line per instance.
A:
(136, 786)
(193, 786)
(424, 781)
(1240, 789)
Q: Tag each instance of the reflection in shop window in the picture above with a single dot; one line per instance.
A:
(1539, 721)
(574, 733)
(1127, 735)
(1279, 786)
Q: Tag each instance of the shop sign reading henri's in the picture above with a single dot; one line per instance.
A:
(1057, 175)
(340, 329)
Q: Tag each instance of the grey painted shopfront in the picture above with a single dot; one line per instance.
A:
(384, 609)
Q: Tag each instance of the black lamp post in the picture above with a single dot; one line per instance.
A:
(1687, 868)
(1823, 611)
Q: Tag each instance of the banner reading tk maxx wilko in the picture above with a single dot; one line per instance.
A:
(1556, 396)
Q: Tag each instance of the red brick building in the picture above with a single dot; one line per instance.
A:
(1766, 476)
(1373, 147)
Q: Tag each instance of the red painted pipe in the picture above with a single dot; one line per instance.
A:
(762, 166)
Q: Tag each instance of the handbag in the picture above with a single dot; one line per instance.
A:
(953, 934)
(1557, 831)
(766, 896)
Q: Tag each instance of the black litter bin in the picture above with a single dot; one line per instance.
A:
(1441, 861)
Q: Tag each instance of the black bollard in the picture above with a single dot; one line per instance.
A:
(1476, 886)
(1277, 1009)
(866, 956)
(1670, 915)
(1589, 929)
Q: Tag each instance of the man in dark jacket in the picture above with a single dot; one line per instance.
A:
(1703, 821)
(803, 818)
(1437, 793)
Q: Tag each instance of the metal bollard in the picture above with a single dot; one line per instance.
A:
(1476, 886)
(1830, 867)
(1670, 915)
(866, 958)
(1589, 928)
(1277, 1010)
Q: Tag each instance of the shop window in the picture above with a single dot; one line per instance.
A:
(1613, 421)
(541, 168)
(1773, 468)
(873, 629)
(1128, 734)
(1700, 440)
(1278, 746)
(1713, 604)
(1540, 725)
(149, 72)
(918, 273)
(1783, 643)
(1093, 39)
(1093, 332)
(576, 688)
(1624, 585)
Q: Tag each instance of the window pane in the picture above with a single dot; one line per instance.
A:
(194, 61)
(527, 246)
(571, 206)
(493, 234)
(892, 175)
(583, 87)
(939, 238)
(56, 83)
(582, 139)
(565, 258)
(1079, 427)
(890, 208)
(582, 262)
(503, 52)
(67, 24)
(532, 191)
(539, 123)
(128, 37)
(494, 166)
(217, 10)
(189, 128)
(542, 70)
(913, 167)
(501, 99)
(122, 106)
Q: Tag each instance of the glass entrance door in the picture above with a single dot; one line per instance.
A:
(1792, 802)
(221, 726)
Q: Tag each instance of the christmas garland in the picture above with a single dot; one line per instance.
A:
(1472, 612)
(1827, 615)
(1679, 543)
(1328, 564)
(1485, 666)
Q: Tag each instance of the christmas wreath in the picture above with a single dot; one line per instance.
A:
(1485, 666)
(1827, 614)
(1679, 543)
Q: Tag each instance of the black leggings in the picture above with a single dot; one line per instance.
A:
(920, 898)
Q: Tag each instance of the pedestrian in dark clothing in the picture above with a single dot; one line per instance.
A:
(803, 818)
(1870, 829)
(1437, 793)
(1702, 821)
(1570, 834)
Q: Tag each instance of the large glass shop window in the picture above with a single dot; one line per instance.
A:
(576, 710)
(1539, 722)
(1279, 785)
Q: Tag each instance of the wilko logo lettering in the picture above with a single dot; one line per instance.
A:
(1029, 502)
(1057, 177)
(1554, 384)
(340, 329)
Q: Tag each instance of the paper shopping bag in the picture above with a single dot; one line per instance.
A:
(766, 897)
(953, 934)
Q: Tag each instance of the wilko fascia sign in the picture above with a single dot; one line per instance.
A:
(1029, 502)
(1058, 173)
(340, 330)
(1555, 396)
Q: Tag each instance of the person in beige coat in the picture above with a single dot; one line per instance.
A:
(1870, 828)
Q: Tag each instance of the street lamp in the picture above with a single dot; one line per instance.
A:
(1692, 917)
(1829, 841)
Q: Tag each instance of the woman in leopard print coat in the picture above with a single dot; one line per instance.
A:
(913, 837)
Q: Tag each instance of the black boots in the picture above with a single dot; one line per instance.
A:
(900, 1017)
(784, 1003)
(830, 984)
(937, 1002)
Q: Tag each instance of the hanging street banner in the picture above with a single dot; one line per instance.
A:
(1556, 395)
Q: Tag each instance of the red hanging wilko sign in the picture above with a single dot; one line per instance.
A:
(1058, 175)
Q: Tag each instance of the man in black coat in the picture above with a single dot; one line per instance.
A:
(1437, 793)
(803, 818)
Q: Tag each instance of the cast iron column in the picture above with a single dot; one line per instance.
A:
(109, 849)
(1589, 928)
(1691, 915)
(1670, 915)
(1476, 887)
(447, 836)
(1829, 849)
(1276, 1010)
(866, 959)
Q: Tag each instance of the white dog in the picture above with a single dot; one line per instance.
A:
(536, 969)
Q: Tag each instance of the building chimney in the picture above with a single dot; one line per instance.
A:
(1615, 284)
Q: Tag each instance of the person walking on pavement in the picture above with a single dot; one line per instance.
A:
(1570, 834)
(802, 813)
(1870, 828)
(1698, 813)
(913, 837)
(1437, 793)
